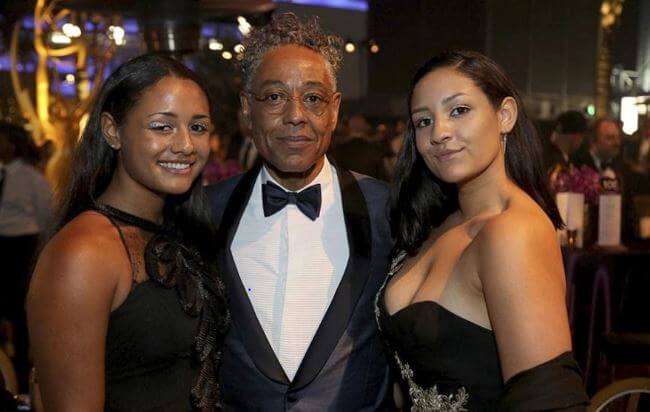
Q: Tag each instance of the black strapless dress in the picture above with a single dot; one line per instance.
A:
(448, 363)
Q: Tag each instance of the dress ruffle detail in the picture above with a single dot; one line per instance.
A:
(201, 293)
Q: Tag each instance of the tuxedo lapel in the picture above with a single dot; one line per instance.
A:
(243, 315)
(337, 317)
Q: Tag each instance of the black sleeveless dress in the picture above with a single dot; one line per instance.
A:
(151, 361)
(448, 363)
(149, 347)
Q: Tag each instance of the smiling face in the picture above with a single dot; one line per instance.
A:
(458, 132)
(164, 141)
(292, 110)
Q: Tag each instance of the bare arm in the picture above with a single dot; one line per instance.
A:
(524, 286)
(68, 307)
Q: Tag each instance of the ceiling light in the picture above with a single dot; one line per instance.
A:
(71, 30)
(57, 37)
(243, 25)
(214, 44)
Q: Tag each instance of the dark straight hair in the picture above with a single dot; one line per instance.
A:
(94, 161)
(420, 201)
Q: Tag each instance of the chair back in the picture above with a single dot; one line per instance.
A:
(626, 390)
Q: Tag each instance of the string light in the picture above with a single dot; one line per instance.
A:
(350, 47)
(71, 30)
(214, 44)
(374, 47)
(116, 33)
(243, 25)
(238, 48)
(226, 55)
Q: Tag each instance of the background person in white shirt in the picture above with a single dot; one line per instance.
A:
(25, 213)
(303, 245)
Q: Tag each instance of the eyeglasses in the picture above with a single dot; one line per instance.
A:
(277, 102)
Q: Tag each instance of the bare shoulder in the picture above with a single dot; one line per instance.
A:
(84, 253)
(518, 252)
(89, 238)
(521, 232)
(522, 218)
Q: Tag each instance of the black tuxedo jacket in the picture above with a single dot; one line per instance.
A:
(345, 367)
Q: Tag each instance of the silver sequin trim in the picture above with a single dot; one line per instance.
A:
(429, 400)
(395, 266)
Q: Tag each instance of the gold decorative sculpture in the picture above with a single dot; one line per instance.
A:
(610, 13)
(51, 116)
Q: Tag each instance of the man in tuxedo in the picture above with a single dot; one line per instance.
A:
(603, 154)
(303, 244)
(603, 150)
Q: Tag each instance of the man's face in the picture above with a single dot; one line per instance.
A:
(292, 109)
(608, 140)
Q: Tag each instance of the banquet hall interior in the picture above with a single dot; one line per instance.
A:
(578, 64)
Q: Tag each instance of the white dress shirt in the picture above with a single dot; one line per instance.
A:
(291, 266)
(26, 204)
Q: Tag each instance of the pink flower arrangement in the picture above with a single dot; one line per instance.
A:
(579, 180)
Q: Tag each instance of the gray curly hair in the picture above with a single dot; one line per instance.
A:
(285, 29)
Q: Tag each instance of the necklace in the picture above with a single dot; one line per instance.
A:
(126, 217)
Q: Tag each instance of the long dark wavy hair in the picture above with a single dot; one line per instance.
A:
(420, 201)
(186, 247)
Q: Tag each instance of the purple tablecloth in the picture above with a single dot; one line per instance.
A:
(607, 290)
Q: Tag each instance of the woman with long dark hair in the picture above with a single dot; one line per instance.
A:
(473, 308)
(125, 309)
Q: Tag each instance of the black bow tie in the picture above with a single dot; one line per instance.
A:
(274, 199)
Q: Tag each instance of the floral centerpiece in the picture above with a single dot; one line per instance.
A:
(581, 179)
(578, 190)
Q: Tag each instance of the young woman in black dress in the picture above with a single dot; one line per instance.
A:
(474, 308)
(125, 309)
